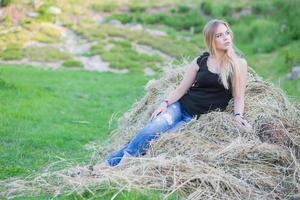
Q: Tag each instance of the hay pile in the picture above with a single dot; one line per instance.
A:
(210, 158)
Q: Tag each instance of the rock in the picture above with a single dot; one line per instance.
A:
(135, 27)
(295, 73)
(114, 22)
(156, 33)
(33, 14)
(108, 47)
(98, 19)
(243, 12)
(149, 72)
(54, 10)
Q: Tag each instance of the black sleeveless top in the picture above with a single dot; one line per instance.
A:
(207, 92)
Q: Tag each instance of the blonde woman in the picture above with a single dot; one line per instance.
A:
(210, 81)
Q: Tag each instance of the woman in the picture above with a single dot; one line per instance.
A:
(210, 81)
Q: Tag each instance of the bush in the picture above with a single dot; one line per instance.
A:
(226, 10)
(153, 19)
(72, 63)
(12, 52)
(122, 56)
(4, 3)
(104, 7)
(183, 9)
(124, 18)
(206, 7)
(262, 35)
(45, 54)
(44, 15)
(137, 8)
(261, 7)
(289, 18)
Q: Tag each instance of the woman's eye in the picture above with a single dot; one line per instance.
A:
(227, 33)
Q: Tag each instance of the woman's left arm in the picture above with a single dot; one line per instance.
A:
(239, 98)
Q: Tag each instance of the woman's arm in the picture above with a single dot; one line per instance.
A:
(239, 98)
(185, 84)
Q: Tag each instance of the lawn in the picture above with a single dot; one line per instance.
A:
(47, 114)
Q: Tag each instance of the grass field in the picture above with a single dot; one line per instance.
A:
(47, 113)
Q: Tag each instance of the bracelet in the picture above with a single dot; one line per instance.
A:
(167, 102)
(236, 114)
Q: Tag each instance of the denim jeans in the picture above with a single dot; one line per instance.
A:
(174, 117)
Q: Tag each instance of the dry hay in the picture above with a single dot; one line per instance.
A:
(210, 158)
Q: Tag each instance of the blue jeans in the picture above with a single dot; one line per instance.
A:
(174, 117)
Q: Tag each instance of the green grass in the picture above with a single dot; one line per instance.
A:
(108, 194)
(167, 45)
(123, 56)
(45, 54)
(45, 113)
(12, 52)
(72, 63)
(275, 66)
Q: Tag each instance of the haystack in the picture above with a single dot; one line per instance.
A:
(210, 158)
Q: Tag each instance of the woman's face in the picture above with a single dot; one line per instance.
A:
(223, 40)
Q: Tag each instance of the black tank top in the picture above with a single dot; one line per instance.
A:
(207, 92)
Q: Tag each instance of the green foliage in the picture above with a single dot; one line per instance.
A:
(289, 18)
(259, 35)
(97, 49)
(183, 19)
(124, 18)
(137, 8)
(167, 45)
(108, 6)
(4, 3)
(261, 7)
(44, 15)
(122, 56)
(47, 54)
(226, 10)
(291, 54)
(72, 63)
(183, 9)
(12, 52)
(46, 113)
(207, 7)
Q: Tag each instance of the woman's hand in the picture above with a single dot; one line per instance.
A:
(242, 123)
(161, 109)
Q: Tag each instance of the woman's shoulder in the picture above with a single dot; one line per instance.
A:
(201, 57)
(242, 62)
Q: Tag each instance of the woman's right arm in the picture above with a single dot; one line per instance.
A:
(185, 84)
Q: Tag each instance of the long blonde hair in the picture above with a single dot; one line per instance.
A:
(229, 67)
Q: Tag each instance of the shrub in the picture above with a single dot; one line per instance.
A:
(262, 34)
(4, 3)
(104, 7)
(72, 63)
(137, 8)
(261, 7)
(12, 52)
(124, 18)
(44, 15)
(45, 54)
(206, 7)
(183, 9)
